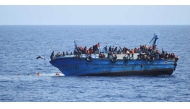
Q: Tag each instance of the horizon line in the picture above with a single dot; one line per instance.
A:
(93, 25)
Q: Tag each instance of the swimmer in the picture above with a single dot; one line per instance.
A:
(38, 74)
(40, 57)
(57, 74)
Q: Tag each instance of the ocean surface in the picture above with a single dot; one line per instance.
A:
(20, 45)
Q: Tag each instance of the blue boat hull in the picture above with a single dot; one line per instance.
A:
(73, 66)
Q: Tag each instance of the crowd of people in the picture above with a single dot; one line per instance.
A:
(144, 51)
(85, 50)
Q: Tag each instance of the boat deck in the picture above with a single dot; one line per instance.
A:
(96, 56)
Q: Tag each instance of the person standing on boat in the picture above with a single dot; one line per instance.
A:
(105, 49)
(84, 50)
(115, 49)
(132, 51)
(110, 49)
(124, 49)
(94, 48)
(97, 46)
(127, 53)
(88, 51)
(52, 55)
(63, 53)
(163, 51)
(67, 53)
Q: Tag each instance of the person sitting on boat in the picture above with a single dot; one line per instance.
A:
(110, 54)
(166, 55)
(100, 55)
(138, 56)
(176, 58)
(173, 56)
(115, 56)
(157, 55)
(138, 50)
(150, 48)
(135, 50)
(119, 51)
(58, 54)
(170, 55)
(160, 56)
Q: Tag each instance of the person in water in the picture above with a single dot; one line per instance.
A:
(57, 74)
(40, 57)
(38, 74)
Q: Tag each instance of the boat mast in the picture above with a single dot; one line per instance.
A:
(155, 40)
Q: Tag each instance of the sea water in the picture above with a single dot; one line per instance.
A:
(20, 45)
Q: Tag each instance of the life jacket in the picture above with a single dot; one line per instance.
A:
(132, 51)
(88, 51)
(97, 45)
(80, 48)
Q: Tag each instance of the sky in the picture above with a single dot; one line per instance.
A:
(94, 14)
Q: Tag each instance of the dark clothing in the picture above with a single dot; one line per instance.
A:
(52, 54)
(63, 53)
(105, 48)
(110, 49)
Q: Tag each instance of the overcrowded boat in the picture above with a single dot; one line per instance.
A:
(113, 61)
